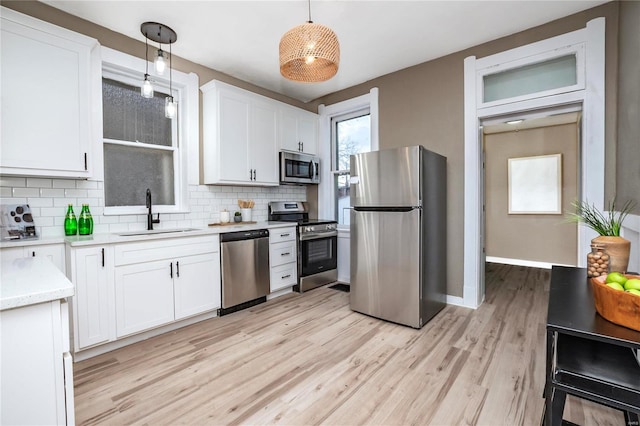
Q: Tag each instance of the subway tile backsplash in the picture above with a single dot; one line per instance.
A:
(48, 199)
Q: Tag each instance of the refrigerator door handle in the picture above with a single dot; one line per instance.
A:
(386, 209)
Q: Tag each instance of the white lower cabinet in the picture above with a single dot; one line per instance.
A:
(37, 375)
(194, 290)
(144, 296)
(283, 258)
(165, 280)
(55, 253)
(127, 288)
(90, 270)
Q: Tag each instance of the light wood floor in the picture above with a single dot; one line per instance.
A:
(307, 359)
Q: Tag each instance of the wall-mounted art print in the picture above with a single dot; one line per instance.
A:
(535, 184)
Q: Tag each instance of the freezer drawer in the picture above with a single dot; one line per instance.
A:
(385, 265)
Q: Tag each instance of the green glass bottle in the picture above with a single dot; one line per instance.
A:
(70, 222)
(85, 222)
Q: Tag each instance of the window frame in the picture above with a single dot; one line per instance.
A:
(335, 171)
(326, 193)
(130, 70)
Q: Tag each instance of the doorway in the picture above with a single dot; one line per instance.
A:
(525, 214)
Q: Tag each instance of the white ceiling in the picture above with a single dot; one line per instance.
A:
(241, 38)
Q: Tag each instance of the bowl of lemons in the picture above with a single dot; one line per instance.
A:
(617, 298)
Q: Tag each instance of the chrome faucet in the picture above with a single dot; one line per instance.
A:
(150, 219)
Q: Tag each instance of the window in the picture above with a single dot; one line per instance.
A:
(346, 128)
(142, 148)
(350, 134)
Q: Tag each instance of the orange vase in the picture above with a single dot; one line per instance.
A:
(618, 250)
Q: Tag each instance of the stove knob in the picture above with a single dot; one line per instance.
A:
(308, 229)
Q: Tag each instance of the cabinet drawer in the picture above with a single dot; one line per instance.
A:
(284, 276)
(281, 253)
(147, 251)
(282, 234)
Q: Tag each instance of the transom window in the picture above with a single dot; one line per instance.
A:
(350, 134)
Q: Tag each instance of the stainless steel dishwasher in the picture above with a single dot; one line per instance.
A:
(244, 265)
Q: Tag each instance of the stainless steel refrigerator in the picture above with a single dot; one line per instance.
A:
(398, 234)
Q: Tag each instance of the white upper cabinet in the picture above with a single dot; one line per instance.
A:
(50, 78)
(298, 130)
(240, 136)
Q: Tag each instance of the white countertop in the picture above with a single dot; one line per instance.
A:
(32, 280)
(112, 238)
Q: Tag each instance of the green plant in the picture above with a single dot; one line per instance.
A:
(238, 214)
(608, 224)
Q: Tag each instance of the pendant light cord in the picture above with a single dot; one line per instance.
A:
(146, 55)
(310, 21)
(170, 75)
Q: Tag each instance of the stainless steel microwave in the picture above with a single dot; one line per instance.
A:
(299, 169)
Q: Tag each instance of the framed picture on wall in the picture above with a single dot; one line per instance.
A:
(535, 184)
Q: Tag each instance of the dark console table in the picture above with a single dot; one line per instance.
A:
(587, 356)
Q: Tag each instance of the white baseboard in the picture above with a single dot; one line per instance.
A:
(522, 262)
(457, 301)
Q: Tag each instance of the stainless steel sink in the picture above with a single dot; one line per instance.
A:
(155, 232)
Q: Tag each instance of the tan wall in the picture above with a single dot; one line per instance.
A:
(424, 105)
(628, 155)
(536, 237)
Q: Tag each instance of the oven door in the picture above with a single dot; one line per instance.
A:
(299, 168)
(318, 253)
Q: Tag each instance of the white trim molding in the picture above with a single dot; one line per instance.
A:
(186, 92)
(369, 100)
(590, 96)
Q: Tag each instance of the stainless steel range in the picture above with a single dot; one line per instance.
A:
(317, 244)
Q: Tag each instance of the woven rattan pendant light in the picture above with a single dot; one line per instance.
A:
(309, 53)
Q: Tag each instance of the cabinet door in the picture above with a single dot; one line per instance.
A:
(91, 302)
(144, 296)
(298, 130)
(308, 131)
(233, 150)
(263, 146)
(289, 130)
(46, 99)
(10, 254)
(55, 253)
(197, 284)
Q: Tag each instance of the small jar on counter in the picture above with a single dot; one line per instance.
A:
(597, 261)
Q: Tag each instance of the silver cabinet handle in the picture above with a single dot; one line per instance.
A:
(250, 174)
(284, 235)
(286, 276)
(254, 174)
(171, 270)
(178, 269)
(285, 254)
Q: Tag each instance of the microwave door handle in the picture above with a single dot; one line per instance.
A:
(311, 169)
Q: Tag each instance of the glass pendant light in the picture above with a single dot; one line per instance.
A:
(147, 88)
(163, 35)
(160, 63)
(170, 105)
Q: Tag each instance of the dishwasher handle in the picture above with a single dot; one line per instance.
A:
(244, 235)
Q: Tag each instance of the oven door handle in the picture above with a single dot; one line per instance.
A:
(318, 235)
